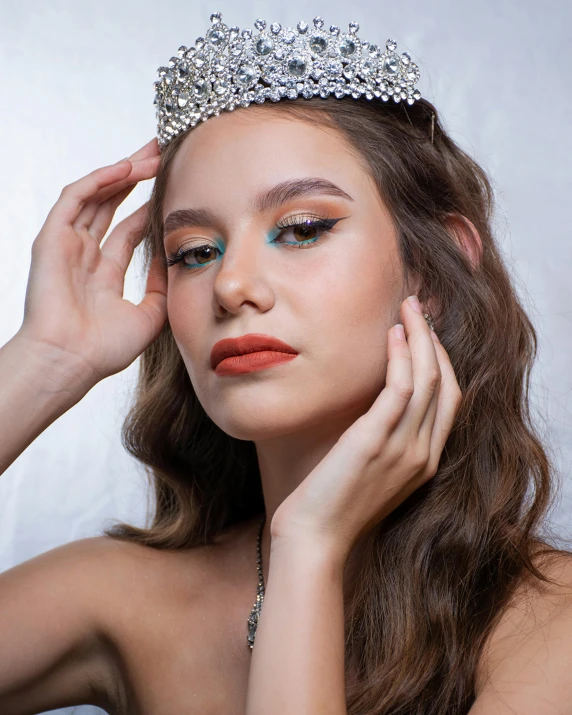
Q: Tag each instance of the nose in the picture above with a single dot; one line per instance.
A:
(244, 275)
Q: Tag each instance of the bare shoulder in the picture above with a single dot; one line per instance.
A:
(186, 574)
(121, 625)
(134, 573)
(52, 616)
(170, 614)
(527, 658)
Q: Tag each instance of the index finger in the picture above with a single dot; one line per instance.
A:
(74, 196)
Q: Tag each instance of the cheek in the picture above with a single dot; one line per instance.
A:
(350, 306)
(351, 297)
(186, 315)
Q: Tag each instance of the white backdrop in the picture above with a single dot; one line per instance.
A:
(77, 94)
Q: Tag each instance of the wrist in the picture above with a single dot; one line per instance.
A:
(36, 388)
(310, 547)
(48, 370)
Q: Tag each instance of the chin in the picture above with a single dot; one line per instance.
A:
(259, 423)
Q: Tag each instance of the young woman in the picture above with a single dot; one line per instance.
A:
(334, 483)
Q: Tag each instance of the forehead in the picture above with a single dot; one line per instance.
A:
(247, 150)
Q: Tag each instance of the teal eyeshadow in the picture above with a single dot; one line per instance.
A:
(220, 246)
(270, 237)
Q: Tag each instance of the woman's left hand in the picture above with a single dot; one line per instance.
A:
(386, 454)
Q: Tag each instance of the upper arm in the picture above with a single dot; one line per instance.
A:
(528, 666)
(53, 647)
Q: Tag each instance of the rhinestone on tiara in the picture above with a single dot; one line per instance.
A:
(229, 68)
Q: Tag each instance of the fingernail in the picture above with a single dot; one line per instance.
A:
(414, 303)
(399, 331)
(434, 336)
(121, 161)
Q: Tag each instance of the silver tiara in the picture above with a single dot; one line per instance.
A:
(230, 68)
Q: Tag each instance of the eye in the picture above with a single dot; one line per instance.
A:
(305, 227)
(204, 252)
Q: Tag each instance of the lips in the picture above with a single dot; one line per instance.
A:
(251, 343)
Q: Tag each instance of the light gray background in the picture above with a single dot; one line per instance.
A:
(77, 94)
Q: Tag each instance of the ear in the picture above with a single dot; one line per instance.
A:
(466, 235)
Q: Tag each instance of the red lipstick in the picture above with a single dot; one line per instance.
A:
(255, 351)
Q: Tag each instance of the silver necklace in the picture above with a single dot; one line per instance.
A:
(255, 613)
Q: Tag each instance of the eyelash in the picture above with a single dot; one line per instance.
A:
(324, 225)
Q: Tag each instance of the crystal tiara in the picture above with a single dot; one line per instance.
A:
(230, 68)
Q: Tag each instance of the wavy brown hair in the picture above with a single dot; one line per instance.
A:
(438, 572)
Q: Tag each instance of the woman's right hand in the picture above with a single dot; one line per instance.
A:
(74, 299)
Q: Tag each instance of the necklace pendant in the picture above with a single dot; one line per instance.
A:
(252, 624)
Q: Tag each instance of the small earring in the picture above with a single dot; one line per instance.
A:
(429, 321)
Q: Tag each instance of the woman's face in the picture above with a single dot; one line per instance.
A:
(333, 300)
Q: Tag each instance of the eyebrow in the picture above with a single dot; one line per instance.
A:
(264, 201)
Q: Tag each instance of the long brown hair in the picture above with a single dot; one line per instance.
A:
(438, 572)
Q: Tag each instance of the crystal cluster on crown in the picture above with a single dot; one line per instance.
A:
(230, 68)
